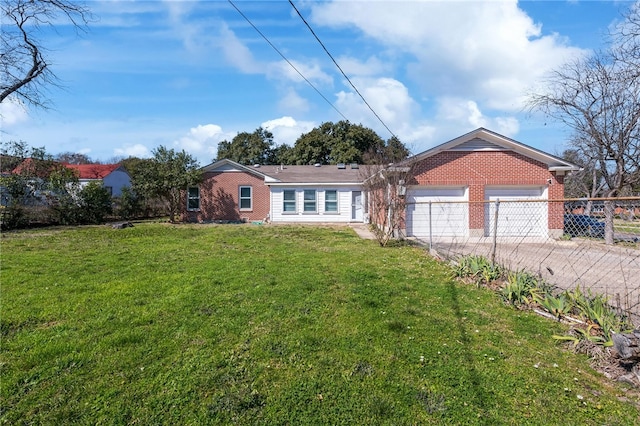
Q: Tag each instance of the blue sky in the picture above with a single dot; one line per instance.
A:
(188, 74)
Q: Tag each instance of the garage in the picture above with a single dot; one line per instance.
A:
(445, 207)
(516, 216)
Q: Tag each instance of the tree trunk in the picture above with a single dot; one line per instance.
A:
(628, 345)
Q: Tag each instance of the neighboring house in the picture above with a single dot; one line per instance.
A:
(465, 172)
(483, 166)
(112, 176)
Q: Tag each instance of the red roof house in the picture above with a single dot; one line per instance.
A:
(113, 176)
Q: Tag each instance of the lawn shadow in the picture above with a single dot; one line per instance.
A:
(479, 394)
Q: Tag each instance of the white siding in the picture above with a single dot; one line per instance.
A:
(343, 214)
(117, 180)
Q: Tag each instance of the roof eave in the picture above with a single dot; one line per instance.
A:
(508, 143)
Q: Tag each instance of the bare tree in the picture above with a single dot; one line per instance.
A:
(586, 182)
(625, 40)
(595, 97)
(24, 66)
(385, 187)
(73, 158)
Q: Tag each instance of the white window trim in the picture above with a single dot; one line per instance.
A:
(295, 202)
(245, 209)
(315, 202)
(189, 198)
(336, 201)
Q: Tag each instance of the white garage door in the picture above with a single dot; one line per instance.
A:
(516, 216)
(449, 212)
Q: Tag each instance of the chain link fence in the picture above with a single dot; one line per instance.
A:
(561, 241)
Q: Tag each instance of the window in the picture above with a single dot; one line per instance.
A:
(309, 200)
(109, 190)
(193, 198)
(289, 201)
(245, 198)
(331, 201)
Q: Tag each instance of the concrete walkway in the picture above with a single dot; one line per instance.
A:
(363, 231)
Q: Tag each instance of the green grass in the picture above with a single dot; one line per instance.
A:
(626, 226)
(189, 324)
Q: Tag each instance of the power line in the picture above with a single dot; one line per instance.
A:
(343, 73)
(289, 62)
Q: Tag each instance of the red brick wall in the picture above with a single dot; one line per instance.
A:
(476, 170)
(219, 198)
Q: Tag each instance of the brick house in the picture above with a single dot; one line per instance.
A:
(464, 177)
(233, 192)
(229, 192)
(461, 178)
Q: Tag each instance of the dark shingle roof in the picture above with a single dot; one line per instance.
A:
(315, 174)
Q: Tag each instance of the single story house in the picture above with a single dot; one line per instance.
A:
(113, 177)
(233, 192)
(460, 178)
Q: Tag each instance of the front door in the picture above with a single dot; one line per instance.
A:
(356, 206)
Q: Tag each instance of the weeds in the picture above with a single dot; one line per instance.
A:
(478, 269)
(519, 288)
(525, 290)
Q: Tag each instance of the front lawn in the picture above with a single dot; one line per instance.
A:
(246, 324)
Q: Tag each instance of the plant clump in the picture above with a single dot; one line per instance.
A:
(593, 321)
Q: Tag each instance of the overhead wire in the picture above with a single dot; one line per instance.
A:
(338, 66)
(287, 60)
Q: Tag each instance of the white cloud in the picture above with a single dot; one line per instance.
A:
(388, 97)
(236, 53)
(371, 67)
(137, 150)
(202, 141)
(12, 111)
(291, 101)
(490, 51)
(456, 116)
(287, 130)
(281, 70)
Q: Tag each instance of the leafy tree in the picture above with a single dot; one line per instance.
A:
(282, 154)
(94, 203)
(90, 204)
(24, 69)
(129, 204)
(395, 150)
(333, 143)
(31, 180)
(597, 97)
(249, 148)
(166, 176)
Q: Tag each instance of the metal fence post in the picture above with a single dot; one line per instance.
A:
(430, 229)
(495, 232)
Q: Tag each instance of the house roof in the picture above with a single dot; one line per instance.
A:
(35, 167)
(226, 165)
(311, 174)
(482, 139)
(324, 174)
(93, 171)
